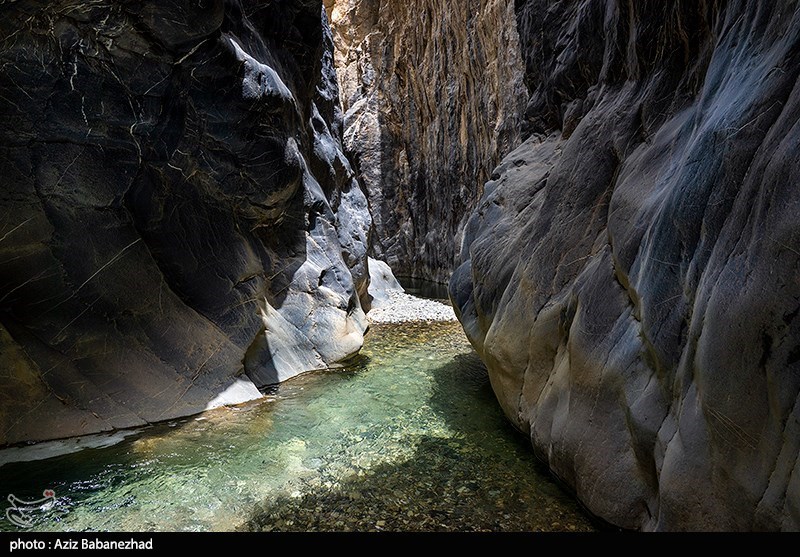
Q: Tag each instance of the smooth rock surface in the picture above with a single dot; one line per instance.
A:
(433, 93)
(381, 283)
(389, 303)
(632, 272)
(179, 224)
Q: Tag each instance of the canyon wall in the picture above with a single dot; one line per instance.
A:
(631, 275)
(179, 224)
(433, 94)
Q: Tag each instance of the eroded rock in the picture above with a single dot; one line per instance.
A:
(179, 224)
(381, 282)
(433, 93)
(632, 272)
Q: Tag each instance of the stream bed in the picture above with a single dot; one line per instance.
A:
(407, 437)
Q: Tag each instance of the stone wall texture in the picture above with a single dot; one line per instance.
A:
(631, 276)
(179, 225)
(433, 95)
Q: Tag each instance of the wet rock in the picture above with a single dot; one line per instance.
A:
(433, 93)
(179, 224)
(631, 275)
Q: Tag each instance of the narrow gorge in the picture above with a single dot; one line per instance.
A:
(433, 93)
(197, 193)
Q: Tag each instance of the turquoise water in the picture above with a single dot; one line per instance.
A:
(408, 437)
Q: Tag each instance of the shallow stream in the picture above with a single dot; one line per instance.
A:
(408, 437)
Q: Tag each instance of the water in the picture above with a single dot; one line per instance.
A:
(425, 288)
(409, 437)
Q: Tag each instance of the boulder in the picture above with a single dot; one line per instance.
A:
(381, 283)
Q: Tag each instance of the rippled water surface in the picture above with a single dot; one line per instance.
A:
(409, 437)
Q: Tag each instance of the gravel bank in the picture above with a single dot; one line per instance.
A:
(401, 307)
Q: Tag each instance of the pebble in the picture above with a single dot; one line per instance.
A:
(403, 308)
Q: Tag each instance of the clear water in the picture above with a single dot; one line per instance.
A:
(409, 437)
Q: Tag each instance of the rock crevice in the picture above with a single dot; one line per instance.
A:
(433, 95)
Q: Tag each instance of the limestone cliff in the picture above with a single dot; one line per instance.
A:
(433, 93)
(179, 224)
(632, 272)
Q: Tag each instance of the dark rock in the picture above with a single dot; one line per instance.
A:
(433, 94)
(633, 287)
(179, 224)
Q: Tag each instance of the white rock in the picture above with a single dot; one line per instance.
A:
(381, 282)
(402, 307)
(390, 303)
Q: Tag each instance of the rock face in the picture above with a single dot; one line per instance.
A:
(381, 282)
(179, 224)
(433, 93)
(632, 272)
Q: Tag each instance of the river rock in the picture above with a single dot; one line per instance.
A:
(179, 223)
(433, 93)
(381, 283)
(631, 276)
